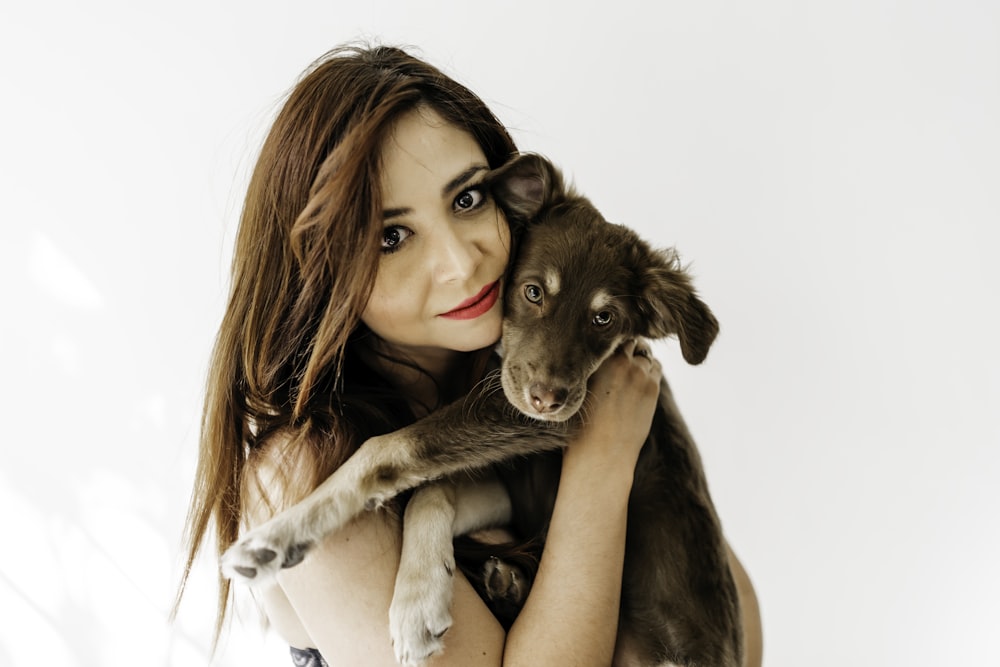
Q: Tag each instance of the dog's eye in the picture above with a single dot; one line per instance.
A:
(603, 318)
(533, 293)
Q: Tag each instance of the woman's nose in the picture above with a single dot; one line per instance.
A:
(455, 257)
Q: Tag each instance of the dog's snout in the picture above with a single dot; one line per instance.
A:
(547, 399)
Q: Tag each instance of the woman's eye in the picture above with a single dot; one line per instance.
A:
(469, 199)
(533, 293)
(603, 318)
(393, 237)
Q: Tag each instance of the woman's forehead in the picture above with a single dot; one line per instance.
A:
(423, 150)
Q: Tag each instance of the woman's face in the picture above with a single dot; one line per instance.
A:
(445, 244)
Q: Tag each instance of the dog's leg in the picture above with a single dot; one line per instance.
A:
(420, 613)
(466, 435)
(421, 602)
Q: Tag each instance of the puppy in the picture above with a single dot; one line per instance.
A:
(579, 289)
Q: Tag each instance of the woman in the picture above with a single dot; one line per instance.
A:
(365, 291)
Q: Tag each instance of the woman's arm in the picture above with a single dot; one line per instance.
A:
(571, 614)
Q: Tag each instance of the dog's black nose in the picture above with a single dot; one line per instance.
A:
(546, 399)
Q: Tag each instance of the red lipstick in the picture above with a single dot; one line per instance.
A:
(477, 305)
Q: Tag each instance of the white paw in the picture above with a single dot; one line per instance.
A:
(258, 556)
(420, 614)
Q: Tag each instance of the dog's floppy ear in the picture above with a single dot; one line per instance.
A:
(526, 185)
(670, 305)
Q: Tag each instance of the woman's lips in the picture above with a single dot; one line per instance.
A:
(477, 305)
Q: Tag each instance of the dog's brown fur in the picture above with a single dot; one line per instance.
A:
(580, 287)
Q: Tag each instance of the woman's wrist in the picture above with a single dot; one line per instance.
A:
(604, 457)
(606, 475)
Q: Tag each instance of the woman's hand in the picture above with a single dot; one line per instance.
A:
(620, 403)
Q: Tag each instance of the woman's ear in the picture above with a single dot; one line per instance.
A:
(526, 185)
(670, 305)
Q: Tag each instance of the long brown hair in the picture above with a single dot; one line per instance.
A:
(303, 268)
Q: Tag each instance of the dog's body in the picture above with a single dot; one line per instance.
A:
(579, 289)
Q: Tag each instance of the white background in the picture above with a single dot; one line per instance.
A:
(830, 169)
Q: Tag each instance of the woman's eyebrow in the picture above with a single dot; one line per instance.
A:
(449, 187)
(463, 178)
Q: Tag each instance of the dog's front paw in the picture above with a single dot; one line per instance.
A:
(420, 614)
(258, 556)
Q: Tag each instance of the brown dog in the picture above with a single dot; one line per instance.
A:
(579, 289)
